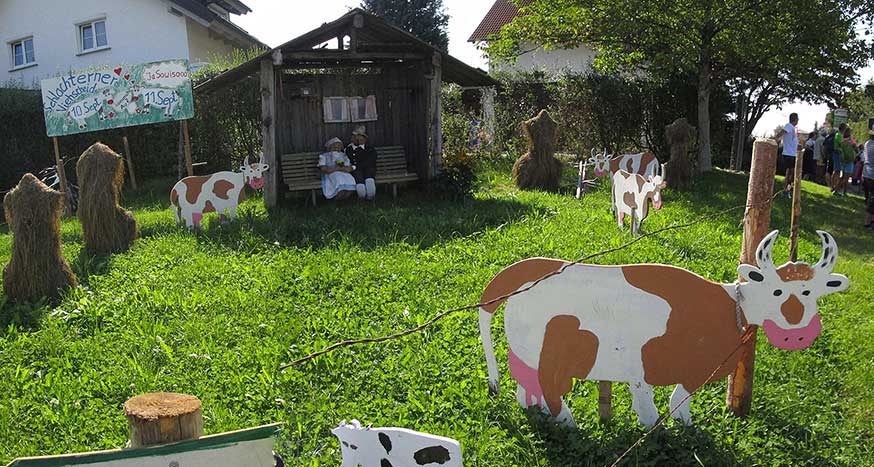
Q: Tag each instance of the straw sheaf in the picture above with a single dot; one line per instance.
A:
(107, 227)
(37, 269)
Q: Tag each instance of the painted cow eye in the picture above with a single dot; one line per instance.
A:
(778, 292)
(805, 293)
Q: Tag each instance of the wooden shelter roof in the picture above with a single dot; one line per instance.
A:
(377, 41)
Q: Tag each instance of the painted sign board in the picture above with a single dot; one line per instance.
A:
(840, 116)
(117, 96)
(250, 447)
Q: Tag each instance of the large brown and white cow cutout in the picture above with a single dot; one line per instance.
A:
(645, 324)
(220, 192)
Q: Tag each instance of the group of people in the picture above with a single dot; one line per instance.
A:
(349, 171)
(831, 157)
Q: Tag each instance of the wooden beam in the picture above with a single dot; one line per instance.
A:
(757, 219)
(268, 132)
(130, 162)
(435, 117)
(331, 54)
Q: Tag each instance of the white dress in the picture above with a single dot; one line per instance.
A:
(336, 182)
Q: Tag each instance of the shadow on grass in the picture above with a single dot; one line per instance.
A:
(414, 217)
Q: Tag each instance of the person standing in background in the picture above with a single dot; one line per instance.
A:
(789, 134)
(818, 157)
(808, 167)
(868, 178)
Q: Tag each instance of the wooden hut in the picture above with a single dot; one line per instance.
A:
(356, 70)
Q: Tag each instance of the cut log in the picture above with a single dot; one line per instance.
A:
(163, 417)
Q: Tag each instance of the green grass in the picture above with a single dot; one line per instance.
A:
(214, 314)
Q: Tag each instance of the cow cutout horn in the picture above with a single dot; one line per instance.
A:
(763, 253)
(246, 161)
(261, 159)
(829, 254)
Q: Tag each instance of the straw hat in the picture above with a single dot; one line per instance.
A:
(360, 131)
(333, 141)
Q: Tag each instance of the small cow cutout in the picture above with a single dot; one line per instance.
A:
(194, 196)
(632, 194)
(644, 163)
(394, 447)
(646, 324)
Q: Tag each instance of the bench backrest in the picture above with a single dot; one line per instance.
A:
(302, 168)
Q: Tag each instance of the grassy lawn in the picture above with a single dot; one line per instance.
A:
(214, 314)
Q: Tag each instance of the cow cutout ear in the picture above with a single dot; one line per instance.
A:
(750, 273)
(836, 283)
(663, 185)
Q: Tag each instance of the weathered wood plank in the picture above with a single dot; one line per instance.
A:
(268, 132)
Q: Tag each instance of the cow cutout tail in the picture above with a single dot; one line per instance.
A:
(174, 204)
(485, 332)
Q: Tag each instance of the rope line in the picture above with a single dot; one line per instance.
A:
(446, 313)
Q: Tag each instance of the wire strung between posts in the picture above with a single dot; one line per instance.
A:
(444, 314)
(743, 340)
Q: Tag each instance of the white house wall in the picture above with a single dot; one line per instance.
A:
(557, 61)
(202, 47)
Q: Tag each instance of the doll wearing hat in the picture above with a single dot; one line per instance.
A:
(363, 156)
(337, 179)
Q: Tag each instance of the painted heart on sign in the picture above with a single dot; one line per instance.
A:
(110, 101)
(111, 114)
(127, 76)
(135, 98)
(117, 71)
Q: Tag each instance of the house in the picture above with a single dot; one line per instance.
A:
(355, 70)
(45, 38)
(532, 57)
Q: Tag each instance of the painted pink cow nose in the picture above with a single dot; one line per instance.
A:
(257, 183)
(657, 206)
(599, 173)
(792, 339)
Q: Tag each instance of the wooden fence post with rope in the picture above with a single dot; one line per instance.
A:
(757, 218)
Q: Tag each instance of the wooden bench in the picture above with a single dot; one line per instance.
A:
(300, 171)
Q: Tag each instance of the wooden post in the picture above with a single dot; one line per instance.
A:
(796, 209)
(757, 219)
(163, 417)
(268, 132)
(130, 162)
(189, 167)
(581, 176)
(180, 159)
(605, 398)
(62, 177)
(742, 134)
(435, 128)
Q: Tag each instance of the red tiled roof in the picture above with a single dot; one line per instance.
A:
(502, 13)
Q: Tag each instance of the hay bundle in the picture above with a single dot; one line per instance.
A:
(37, 269)
(107, 228)
(678, 169)
(538, 169)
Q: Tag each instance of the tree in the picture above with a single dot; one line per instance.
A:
(774, 49)
(427, 19)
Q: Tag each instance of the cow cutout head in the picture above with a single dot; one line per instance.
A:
(783, 299)
(254, 173)
(654, 185)
(352, 437)
(601, 162)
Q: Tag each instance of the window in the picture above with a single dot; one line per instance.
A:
(363, 108)
(346, 109)
(22, 53)
(336, 109)
(92, 36)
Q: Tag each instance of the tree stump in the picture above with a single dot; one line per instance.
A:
(538, 168)
(163, 417)
(37, 268)
(678, 169)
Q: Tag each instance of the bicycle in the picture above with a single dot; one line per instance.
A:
(49, 176)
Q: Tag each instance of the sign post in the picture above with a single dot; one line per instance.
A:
(189, 166)
(130, 162)
(62, 177)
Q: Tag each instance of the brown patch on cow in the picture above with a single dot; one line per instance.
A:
(174, 197)
(194, 185)
(512, 277)
(630, 165)
(646, 159)
(242, 196)
(701, 328)
(614, 164)
(795, 272)
(221, 189)
(568, 352)
(208, 207)
(628, 199)
(792, 309)
(640, 182)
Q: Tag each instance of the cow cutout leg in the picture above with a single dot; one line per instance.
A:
(196, 218)
(680, 405)
(568, 352)
(642, 403)
(635, 223)
(620, 217)
(233, 213)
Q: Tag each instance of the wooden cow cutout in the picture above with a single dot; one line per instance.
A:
(632, 194)
(251, 447)
(194, 196)
(394, 447)
(646, 324)
(644, 163)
